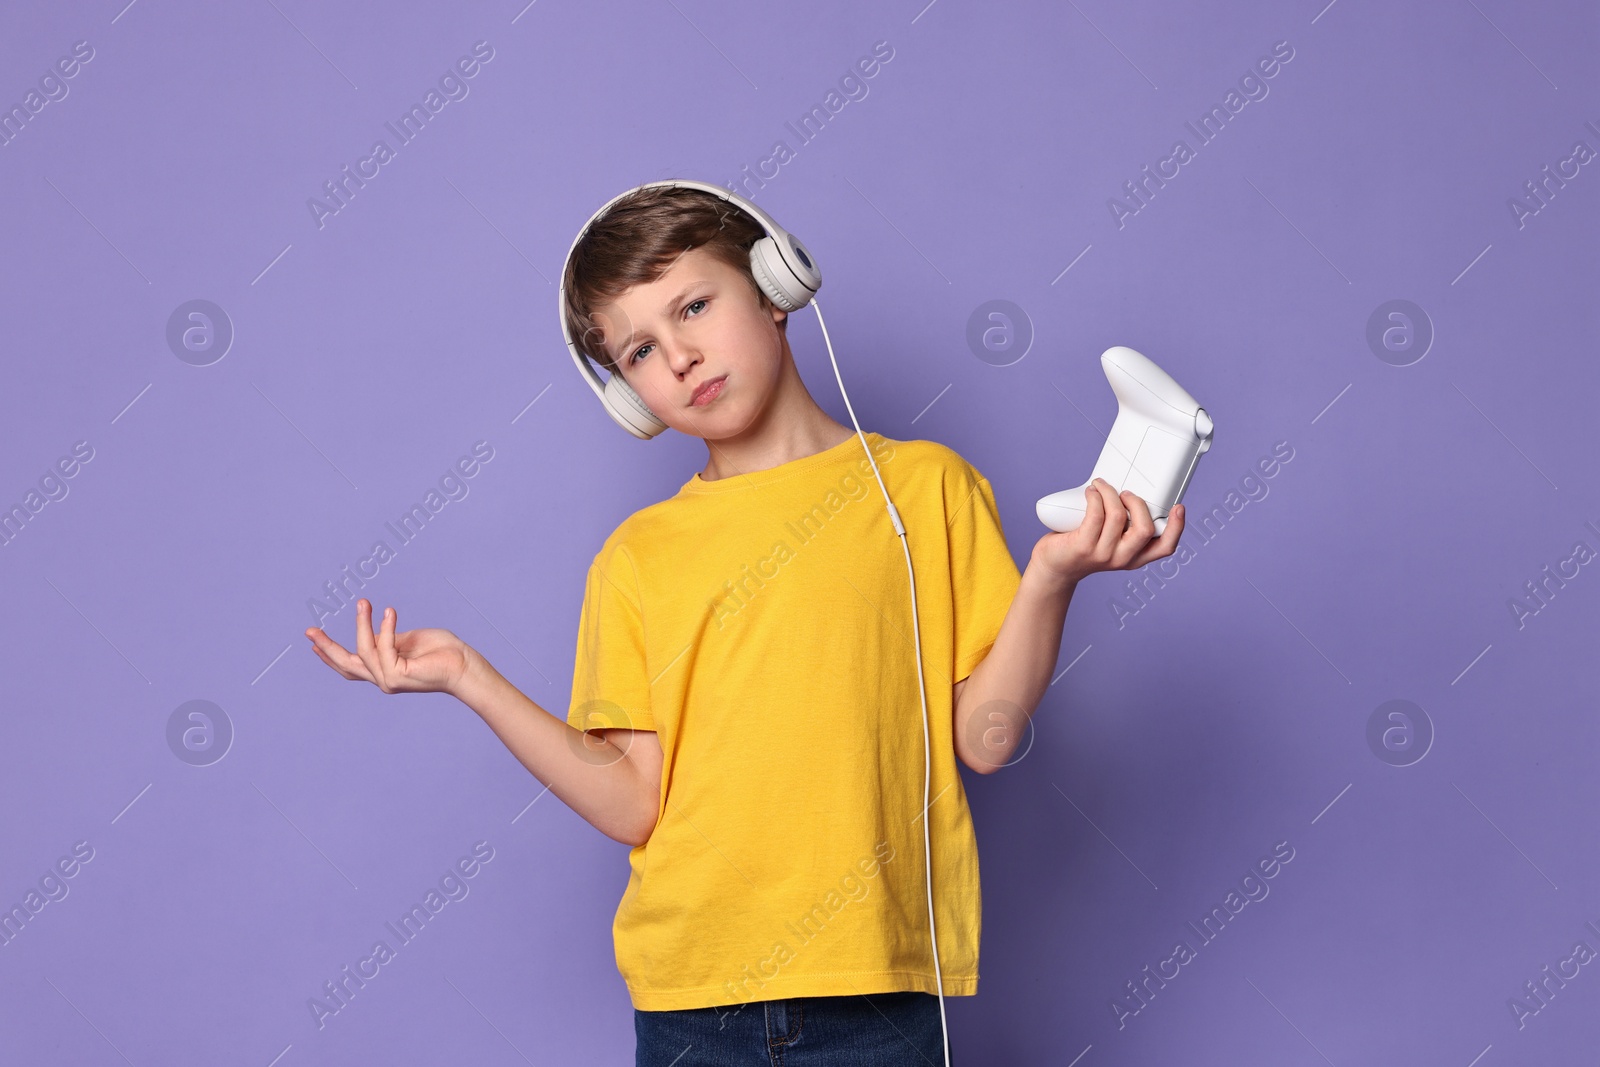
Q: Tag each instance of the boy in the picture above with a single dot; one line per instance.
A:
(744, 678)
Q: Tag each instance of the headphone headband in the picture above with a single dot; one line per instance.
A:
(780, 264)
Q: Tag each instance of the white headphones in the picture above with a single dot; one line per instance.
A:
(790, 278)
(781, 266)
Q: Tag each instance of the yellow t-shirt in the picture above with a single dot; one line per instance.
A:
(761, 625)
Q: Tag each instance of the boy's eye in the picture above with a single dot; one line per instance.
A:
(644, 348)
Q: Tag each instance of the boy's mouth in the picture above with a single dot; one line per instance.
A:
(708, 391)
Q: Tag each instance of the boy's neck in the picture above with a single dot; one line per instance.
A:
(792, 427)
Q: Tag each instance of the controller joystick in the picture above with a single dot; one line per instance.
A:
(1155, 443)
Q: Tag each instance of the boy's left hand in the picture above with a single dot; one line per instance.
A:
(1115, 535)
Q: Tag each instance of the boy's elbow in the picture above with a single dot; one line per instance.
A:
(636, 837)
(974, 764)
(980, 767)
(624, 833)
(642, 827)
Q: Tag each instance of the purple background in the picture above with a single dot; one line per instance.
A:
(370, 353)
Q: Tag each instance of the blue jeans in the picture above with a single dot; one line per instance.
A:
(874, 1030)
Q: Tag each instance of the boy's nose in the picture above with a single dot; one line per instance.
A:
(681, 358)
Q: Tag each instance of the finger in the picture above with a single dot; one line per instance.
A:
(1116, 522)
(1162, 546)
(1094, 513)
(336, 656)
(1141, 527)
(386, 638)
(1174, 529)
(366, 645)
(325, 644)
(1138, 512)
(348, 665)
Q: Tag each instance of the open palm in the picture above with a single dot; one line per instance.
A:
(416, 661)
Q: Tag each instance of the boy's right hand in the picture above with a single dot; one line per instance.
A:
(416, 661)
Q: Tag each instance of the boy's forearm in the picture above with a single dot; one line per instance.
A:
(1002, 692)
(591, 776)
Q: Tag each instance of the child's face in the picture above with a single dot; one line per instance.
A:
(699, 321)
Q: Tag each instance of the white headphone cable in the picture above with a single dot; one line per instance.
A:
(927, 770)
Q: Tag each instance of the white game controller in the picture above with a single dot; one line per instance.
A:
(1153, 447)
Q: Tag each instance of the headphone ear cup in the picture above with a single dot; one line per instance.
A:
(778, 279)
(628, 409)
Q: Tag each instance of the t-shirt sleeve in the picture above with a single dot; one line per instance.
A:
(983, 576)
(610, 680)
